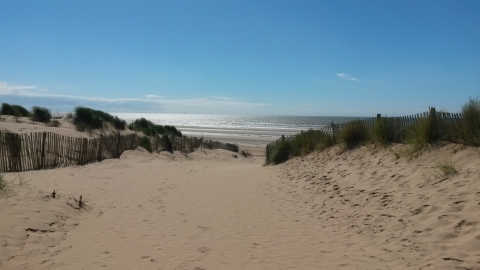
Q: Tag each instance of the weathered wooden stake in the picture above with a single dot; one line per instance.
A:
(43, 149)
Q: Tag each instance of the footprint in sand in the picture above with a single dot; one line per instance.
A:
(203, 228)
(421, 209)
(461, 225)
(257, 245)
(204, 249)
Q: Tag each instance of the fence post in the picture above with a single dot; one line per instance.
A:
(118, 144)
(333, 133)
(83, 155)
(43, 149)
(99, 150)
(433, 123)
(19, 141)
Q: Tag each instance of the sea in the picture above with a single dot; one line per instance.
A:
(241, 129)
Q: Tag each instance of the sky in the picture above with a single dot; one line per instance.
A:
(263, 57)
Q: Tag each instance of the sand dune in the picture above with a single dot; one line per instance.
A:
(427, 223)
(362, 209)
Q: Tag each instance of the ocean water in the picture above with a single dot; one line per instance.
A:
(237, 128)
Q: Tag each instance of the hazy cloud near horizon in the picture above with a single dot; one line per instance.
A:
(32, 96)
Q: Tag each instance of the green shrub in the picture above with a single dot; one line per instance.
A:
(145, 143)
(354, 133)
(14, 110)
(41, 114)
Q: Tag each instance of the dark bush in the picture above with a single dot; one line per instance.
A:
(173, 130)
(41, 114)
(15, 110)
(148, 128)
(119, 123)
(86, 118)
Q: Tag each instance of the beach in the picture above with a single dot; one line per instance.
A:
(213, 209)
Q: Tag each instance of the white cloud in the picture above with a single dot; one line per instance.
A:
(346, 77)
(151, 103)
(222, 98)
(154, 96)
(6, 89)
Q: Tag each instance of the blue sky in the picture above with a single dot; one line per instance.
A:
(345, 58)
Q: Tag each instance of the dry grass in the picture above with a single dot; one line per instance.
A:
(4, 185)
(245, 153)
(444, 168)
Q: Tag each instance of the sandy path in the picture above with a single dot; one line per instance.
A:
(207, 211)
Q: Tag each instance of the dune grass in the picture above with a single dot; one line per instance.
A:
(446, 168)
(430, 128)
(90, 119)
(385, 131)
(354, 133)
(14, 110)
(41, 114)
(145, 143)
(298, 145)
(470, 128)
(148, 128)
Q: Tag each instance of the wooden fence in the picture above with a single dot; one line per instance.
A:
(444, 126)
(189, 144)
(43, 150)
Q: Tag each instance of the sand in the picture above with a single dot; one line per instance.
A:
(359, 209)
